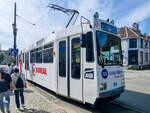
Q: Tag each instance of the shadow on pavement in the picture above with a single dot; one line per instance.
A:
(28, 91)
(25, 91)
(137, 100)
(33, 111)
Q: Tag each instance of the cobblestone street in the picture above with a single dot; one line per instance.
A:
(137, 91)
(36, 103)
(134, 100)
(40, 101)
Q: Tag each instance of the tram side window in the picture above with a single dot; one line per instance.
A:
(62, 58)
(48, 55)
(27, 61)
(39, 57)
(23, 57)
(75, 58)
(32, 57)
(48, 45)
(89, 48)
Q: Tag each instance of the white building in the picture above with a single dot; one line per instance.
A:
(135, 46)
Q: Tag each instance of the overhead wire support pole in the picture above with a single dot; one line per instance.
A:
(70, 19)
(67, 11)
(15, 33)
(88, 22)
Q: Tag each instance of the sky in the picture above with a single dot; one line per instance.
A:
(35, 20)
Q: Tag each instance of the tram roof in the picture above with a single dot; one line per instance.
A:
(72, 30)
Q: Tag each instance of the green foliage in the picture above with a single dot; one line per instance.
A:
(2, 57)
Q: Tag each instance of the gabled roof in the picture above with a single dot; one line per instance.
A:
(148, 37)
(128, 32)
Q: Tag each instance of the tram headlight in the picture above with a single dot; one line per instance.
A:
(123, 81)
(103, 86)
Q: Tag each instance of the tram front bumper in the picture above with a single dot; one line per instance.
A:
(112, 93)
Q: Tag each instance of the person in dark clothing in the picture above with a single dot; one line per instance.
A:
(5, 88)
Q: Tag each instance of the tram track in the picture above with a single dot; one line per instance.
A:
(110, 107)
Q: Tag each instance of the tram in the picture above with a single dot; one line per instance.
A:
(82, 62)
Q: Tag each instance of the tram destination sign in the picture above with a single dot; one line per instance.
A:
(108, 28)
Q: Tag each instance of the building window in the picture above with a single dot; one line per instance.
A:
(146, 57)
(141, 43)
(132, 43)
(149, 45)
(141, 57)
(62, 58)
(133, 57)
(149, 57)
(146, 44)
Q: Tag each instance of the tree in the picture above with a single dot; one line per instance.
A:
(2, 57)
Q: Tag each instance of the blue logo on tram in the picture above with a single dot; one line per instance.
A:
(104, 73)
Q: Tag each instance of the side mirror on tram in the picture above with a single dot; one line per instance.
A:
(102, 64)
(102, 61)
(83, 40)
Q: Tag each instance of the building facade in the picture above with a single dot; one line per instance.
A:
(135, 46)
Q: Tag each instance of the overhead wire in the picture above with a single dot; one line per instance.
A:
(33, 24)
(29, 31)
(25, 20)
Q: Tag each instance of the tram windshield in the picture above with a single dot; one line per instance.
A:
(108, 49)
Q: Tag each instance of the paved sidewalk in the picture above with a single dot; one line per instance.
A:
(137, 94)
(36, 103)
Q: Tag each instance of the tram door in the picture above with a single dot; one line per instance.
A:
(62, 67)
(69, 68)
(75, 68)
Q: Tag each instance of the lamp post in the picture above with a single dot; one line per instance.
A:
(15, 33)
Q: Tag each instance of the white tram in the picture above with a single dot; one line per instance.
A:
(81, 62)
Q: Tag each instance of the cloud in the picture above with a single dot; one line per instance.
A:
(88, 8)
(138, 14)
(48, 20)
(34, 10)
(6, 24)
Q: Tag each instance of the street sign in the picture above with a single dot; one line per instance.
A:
(11, 51)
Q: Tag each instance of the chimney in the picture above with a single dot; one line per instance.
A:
(145, 35)
(135, 27)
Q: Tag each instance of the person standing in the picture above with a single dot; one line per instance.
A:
(13, 67)
(19, 83)
(5, 85)
(9, 69)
